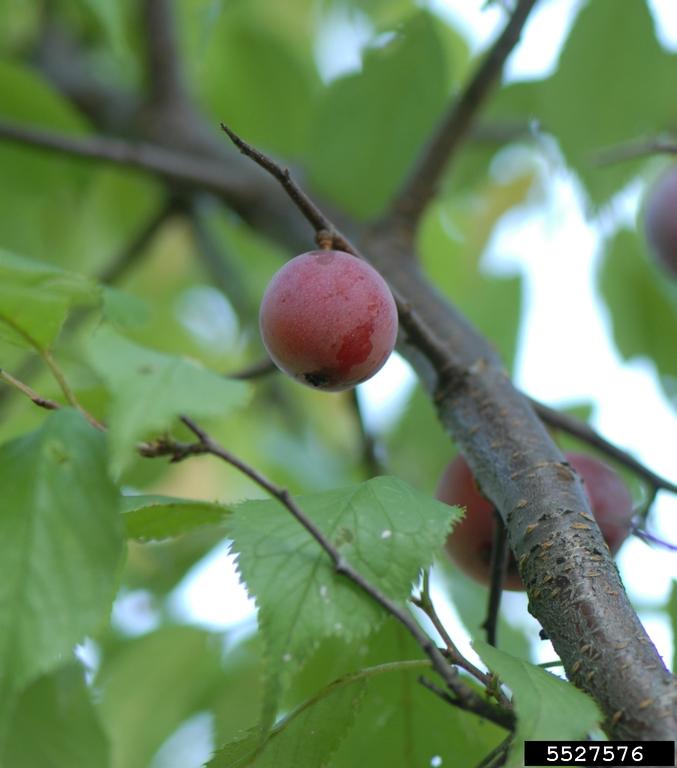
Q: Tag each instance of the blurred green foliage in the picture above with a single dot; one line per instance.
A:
(157, 343)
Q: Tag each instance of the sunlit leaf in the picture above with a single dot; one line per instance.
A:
(386, 530)
(369, 125)
(35, 299)
(153, 518)
(149, 390)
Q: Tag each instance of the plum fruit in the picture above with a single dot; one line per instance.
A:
(328, 320)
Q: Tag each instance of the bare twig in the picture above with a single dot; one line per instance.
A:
(424, 602)
(41, 402)
(224, 275)
(481, 707)
(499, 564)
(649, 538)
(586, 433)
(421, 185)
(312, 213)
(631, 150)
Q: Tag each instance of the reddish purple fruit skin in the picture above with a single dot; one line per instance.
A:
(469, 545)
(328, 320)
(660, 220)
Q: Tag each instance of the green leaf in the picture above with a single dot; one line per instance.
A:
(35, 299)
(30, 98)
(386, 530)
(111, 18)
(547, 707)
(39, 190)
(153, 518)
(642, 302)
(149, 390)
(588, 114)
(305, 738)
(124, 310)
(55, 724)
(250, 77)
(370, 125)
(60, 545)
(403, 724)
(152, 684)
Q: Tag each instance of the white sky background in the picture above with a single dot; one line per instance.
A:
(565, 356)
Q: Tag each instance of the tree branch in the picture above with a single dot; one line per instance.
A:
(176, 167)
(498, 568)
(480, 707)
(41, 402)
(631, 150)
(573, 585)
(257, 200)
(421, 185)
(223, 273)
(167, 87)
(587, 434)
(489, 681)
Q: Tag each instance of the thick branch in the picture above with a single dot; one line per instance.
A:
(420, 187)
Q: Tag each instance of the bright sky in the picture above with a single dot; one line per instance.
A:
(556, 252)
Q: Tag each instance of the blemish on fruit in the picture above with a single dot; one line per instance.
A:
(317, 379)
(356, 346)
